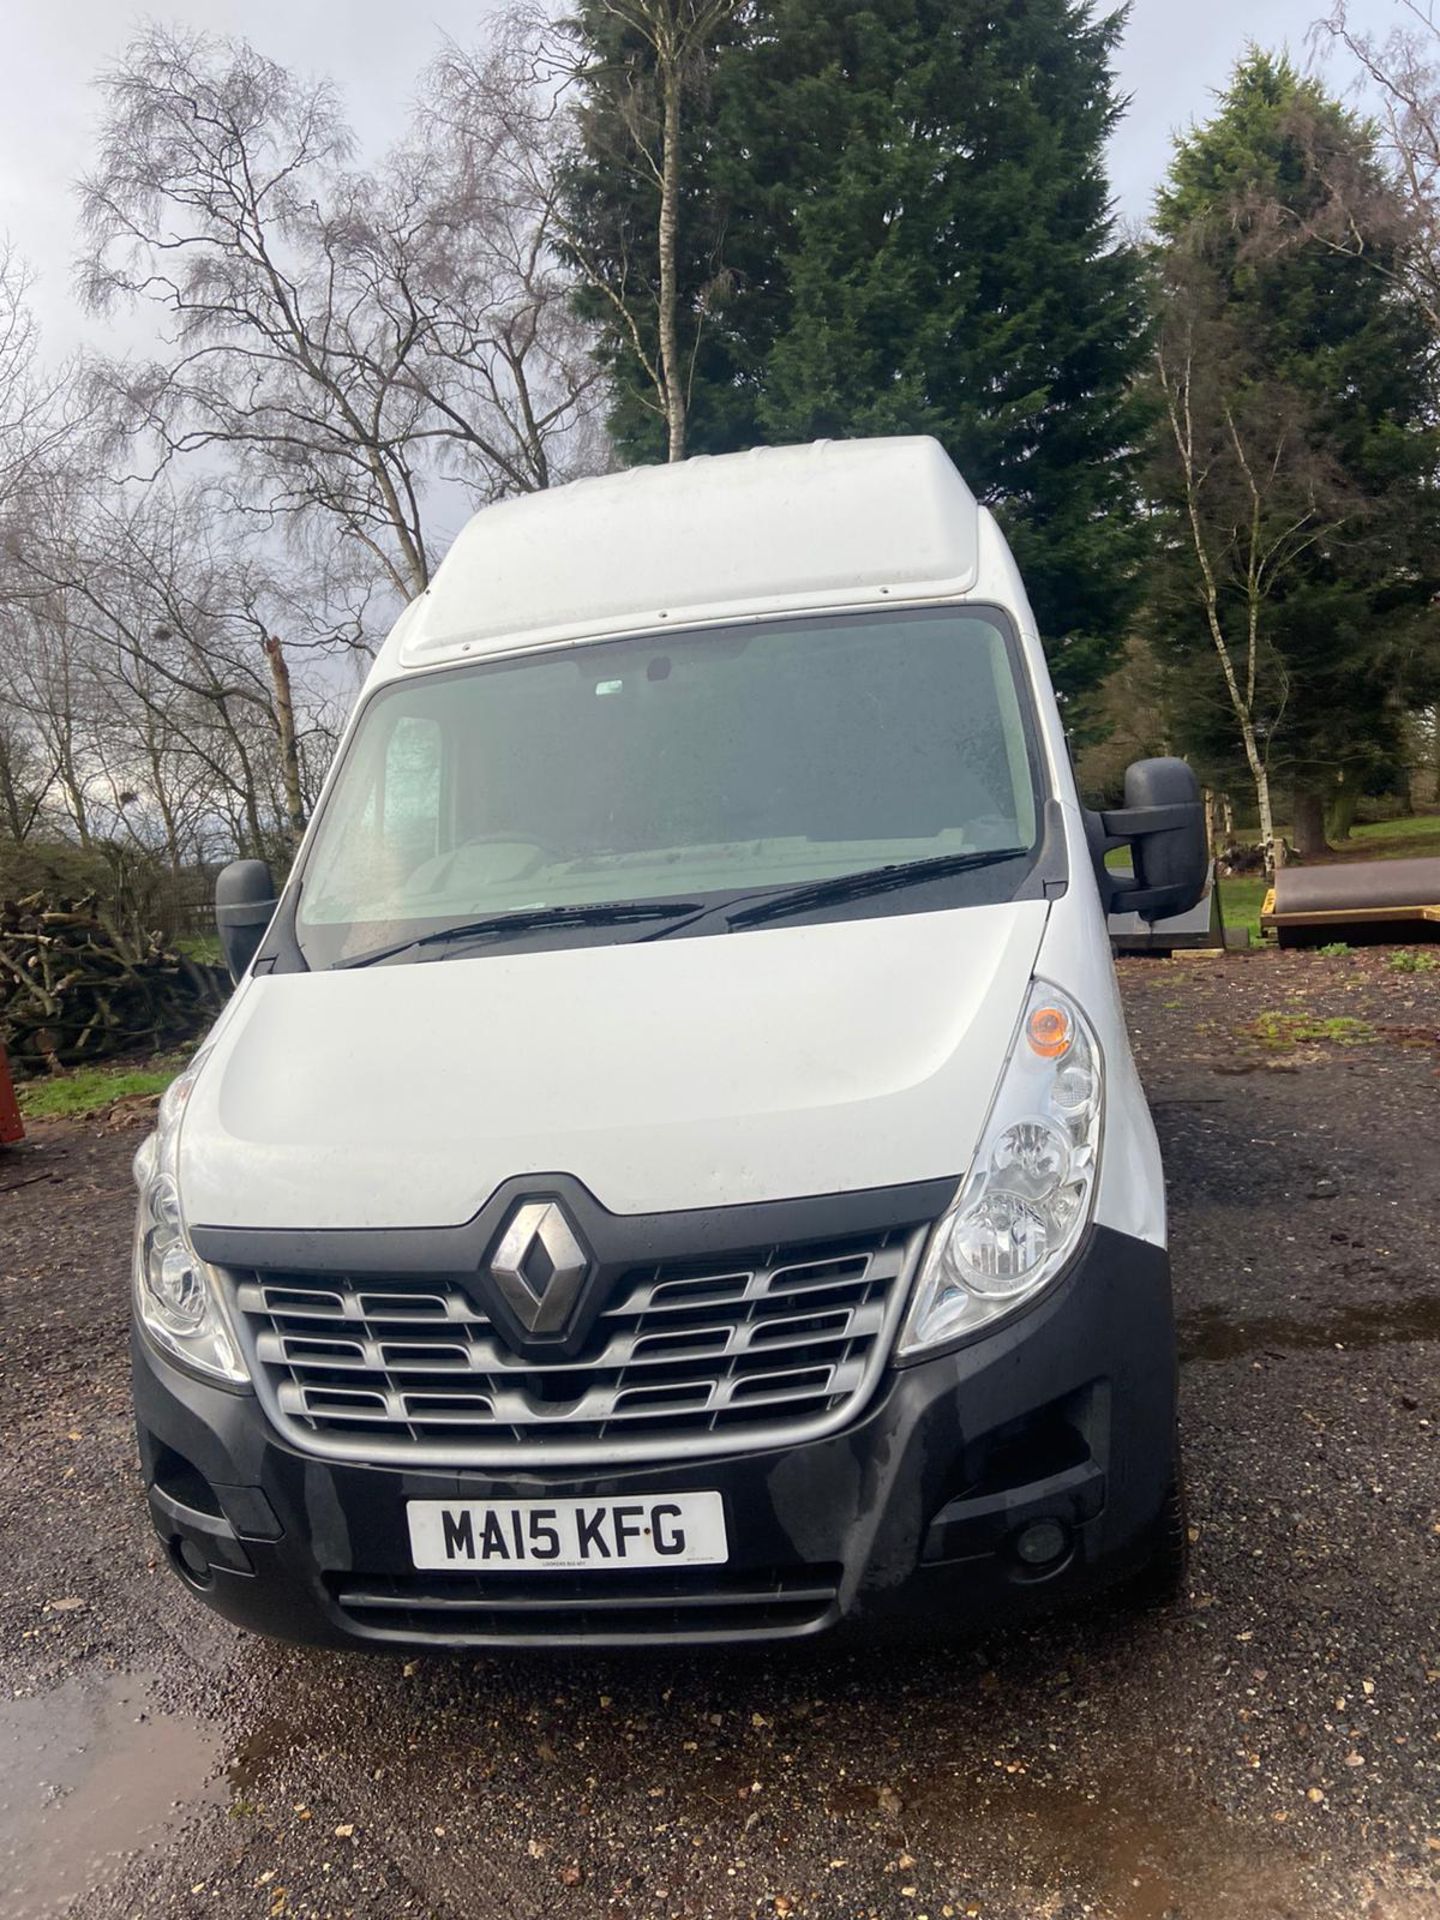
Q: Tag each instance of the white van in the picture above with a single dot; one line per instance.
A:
(672, 1168)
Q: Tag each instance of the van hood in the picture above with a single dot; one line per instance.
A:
(699, 1072)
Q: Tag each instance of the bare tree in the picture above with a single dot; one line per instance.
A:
(47, 679)
(343, 337)
(25, 776)
(542, 84)
(31, 420)
(677, 35)
(1401, 76)
(149, 664)
(1253, 500)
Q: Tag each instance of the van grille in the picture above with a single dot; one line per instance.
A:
(684, 1361)
(617, 1609)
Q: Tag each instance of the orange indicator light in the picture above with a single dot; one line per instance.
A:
(1048, 1031)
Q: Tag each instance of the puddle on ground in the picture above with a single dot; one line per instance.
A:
(258, 1752)
(90, 1772)
(1213, 1333)
(1128, 1851)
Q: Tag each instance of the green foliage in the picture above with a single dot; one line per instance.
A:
(1281, 272)
(1405, 960)
(1335, 950)
(896, 220)
(1242, 896)
(92, 1089)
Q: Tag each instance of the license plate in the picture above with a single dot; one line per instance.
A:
(527, 1536)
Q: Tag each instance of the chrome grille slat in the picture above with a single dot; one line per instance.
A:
(683, 1361)
(771, 1336)
(664, 1297)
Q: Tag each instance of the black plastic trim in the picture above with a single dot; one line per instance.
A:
(628, 1239)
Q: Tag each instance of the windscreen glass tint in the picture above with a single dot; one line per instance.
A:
(685, 767)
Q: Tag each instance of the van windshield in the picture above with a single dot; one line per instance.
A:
(672, 773)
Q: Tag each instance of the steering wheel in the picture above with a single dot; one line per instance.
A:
(541, 853)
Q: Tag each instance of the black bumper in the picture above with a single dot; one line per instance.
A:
(908, 1517)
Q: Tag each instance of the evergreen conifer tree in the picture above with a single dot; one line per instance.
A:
(1283, 253)
(897, 220)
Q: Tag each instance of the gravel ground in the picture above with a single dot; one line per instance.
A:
(1270, 1748)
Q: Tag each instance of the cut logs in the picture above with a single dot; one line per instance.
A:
(77, 986)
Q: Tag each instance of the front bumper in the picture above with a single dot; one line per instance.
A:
(908, 1517)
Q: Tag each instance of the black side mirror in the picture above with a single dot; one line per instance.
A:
(244, 906)
(1163, 822)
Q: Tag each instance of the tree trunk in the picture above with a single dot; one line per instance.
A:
(1212, 822)
(75, 800)
(670, 372)
(1310, 841)
(1340, 816)
(289, 746)
(162, 801)
(10, 811)
(1273, 845)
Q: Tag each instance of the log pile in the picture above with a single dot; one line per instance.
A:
(76, 985)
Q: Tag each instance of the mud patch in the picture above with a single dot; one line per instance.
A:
(91, 1772)
(1129, 1853)
(1212, 1333)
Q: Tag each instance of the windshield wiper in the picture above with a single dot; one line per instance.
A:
(870, 880)
(618, 913)
(775, 903)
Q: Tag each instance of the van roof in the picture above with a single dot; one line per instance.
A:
(782, 529)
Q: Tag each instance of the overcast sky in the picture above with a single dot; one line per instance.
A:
(1176, 53)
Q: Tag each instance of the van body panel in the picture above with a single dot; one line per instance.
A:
(840, 525)
(769, 1064)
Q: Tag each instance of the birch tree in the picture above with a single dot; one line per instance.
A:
(611, 88)
(151, 656)
(344, 339)
(648, 55)
(1250, 506)
(32, 421)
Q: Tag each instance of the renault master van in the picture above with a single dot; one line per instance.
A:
(672, 1168)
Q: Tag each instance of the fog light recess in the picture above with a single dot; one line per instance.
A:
(191, 1562)
(1042, 1543)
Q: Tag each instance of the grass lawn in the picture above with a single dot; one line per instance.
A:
(1414, 839)
(1241, 898)
(85, 1090)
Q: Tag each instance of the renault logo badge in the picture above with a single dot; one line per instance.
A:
(540, 1266)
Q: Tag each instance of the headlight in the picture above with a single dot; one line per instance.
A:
(177, 1297)
(1031, 1187)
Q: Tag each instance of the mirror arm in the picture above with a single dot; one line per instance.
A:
(1141, 900)
(1125, 824)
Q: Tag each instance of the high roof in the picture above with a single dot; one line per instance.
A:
(783, 529)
